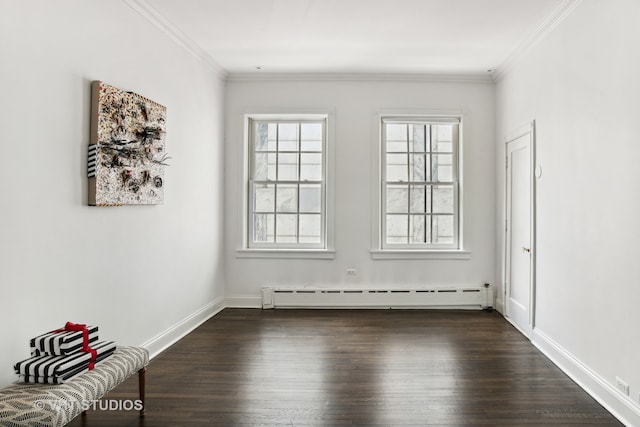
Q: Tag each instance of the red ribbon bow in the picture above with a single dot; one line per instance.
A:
(85, 340)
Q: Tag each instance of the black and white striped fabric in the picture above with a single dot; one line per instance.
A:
(92, 158)
(62, 343)
(49, 369)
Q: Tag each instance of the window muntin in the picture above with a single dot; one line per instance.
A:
(287, 184)
(420, 185)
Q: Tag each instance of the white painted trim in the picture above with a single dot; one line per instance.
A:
(164, 25)
(418, 254)
(242, 221)
(558, 15)
(243, 301)
(359, 77)
(621, 406)
(174, 333)
(286, 253)
(518, 132)
(379, 115)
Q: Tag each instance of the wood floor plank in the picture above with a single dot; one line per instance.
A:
(247, 367)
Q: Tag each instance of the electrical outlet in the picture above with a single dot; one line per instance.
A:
(351, 271)
(622, 386)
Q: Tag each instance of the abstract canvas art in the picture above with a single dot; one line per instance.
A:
(126, 157)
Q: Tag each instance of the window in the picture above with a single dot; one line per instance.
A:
(420, 194)
(287, 183)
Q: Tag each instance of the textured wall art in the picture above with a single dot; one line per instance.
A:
(127, 155)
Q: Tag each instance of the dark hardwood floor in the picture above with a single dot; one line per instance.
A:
(354, 367)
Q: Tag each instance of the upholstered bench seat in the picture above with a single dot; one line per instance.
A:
(55, 405)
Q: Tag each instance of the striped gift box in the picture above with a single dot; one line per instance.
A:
(49, 369)
(61, 343)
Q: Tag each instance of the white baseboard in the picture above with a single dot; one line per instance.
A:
(173, 334)
(500, 306)
(243, 301)
(621, 406)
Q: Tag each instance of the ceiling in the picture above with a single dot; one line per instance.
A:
(356, 36)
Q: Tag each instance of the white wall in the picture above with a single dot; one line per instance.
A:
(353, 105)
(581, 85)
(135, 271)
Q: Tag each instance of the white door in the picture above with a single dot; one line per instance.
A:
(519, 234)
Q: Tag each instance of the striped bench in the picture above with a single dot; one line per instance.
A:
(56, 405)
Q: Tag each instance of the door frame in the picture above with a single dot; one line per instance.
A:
(528, 128)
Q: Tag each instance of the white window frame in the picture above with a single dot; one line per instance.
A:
(382, 250)
(324, 249)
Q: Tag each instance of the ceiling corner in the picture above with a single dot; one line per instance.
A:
(174, 33)
(557, 15)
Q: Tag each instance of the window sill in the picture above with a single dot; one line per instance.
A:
(420, 254)
(286, 253)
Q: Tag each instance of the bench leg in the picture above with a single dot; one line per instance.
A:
(141, 386)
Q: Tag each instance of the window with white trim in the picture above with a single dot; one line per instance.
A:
(287, 183)
(420, 185)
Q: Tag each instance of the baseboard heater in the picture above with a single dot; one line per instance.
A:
(472, 297)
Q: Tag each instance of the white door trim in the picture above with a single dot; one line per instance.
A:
(528, 128)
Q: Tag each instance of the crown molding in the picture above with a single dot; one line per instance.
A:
(155, 18)
(358, 77)
(558, 15)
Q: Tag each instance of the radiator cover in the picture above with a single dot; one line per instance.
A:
(471, 297)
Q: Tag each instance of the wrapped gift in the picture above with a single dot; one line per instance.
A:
(60, 379)
(73, 337)
(48, 369)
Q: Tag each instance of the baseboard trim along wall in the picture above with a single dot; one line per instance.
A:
(621, 406)
(243, 301)
(173, 334)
